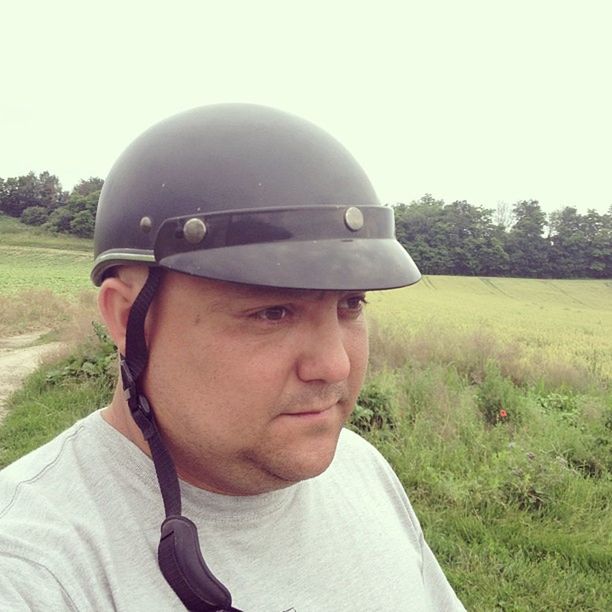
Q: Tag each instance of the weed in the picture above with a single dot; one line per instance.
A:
(497, 397)
(372, 410)
(565, 406)
(94, 360)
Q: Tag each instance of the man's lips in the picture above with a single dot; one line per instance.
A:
(310, 413)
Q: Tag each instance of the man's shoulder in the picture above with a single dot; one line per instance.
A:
(46, 471)
(39, 460)
(355, 449)
(358, 460)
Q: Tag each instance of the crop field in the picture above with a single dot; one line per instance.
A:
(44, 279)
(65, 272)
(35, 260)
(542, 321)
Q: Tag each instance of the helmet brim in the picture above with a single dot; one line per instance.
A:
(347, 264)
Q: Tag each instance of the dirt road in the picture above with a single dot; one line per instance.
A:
(18, 358)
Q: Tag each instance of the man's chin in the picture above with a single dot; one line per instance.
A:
(295, 467)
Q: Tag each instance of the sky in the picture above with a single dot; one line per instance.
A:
(486, 101)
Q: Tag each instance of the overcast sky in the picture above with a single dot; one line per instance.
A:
(481, 100)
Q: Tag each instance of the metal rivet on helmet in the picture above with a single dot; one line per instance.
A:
(146, 224)
(353, 218)
(194, 230)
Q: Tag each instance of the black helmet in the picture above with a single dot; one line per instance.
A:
(248, 194)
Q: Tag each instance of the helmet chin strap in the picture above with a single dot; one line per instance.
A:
(179, 556)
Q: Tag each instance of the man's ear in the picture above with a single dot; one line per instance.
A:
(115, 299)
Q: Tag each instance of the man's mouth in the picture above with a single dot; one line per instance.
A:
(312, 413)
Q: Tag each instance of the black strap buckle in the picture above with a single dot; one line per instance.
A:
(129, 384)
(183, 566)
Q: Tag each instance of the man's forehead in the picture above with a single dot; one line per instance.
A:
(219, 293)
(244, 291)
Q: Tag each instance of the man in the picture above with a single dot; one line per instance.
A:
(234, 245)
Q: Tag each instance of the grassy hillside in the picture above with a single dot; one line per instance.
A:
(44, 278)
(12, 232)
(544, 322)
(32, 259)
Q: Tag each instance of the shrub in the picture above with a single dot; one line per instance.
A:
(59, 220)
(82, 224)
(565, 406)
(372, 410)
(35, 215)
(96, 360)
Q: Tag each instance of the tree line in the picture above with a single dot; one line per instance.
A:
(41, 201)
(463, 239)
(456, 239)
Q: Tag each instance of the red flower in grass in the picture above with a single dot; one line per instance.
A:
(502, 414)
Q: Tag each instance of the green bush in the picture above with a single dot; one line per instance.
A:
(95, 360)
(82, 225)
(372, 410)
(35, 215)
(59, 220)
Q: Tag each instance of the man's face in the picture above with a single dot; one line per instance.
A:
(251, 386)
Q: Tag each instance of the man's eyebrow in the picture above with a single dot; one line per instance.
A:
(239, 291)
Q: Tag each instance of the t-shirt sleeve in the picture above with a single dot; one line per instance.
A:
(29, 586)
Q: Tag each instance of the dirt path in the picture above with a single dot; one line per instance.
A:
(18, 359)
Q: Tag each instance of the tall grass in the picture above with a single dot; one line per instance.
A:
(507, 463)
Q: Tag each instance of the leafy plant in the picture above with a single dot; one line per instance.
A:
(497, 397)
(372, 410)
(97, 360)
(565, 406)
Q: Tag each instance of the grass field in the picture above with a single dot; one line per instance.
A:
(31, 259)
(12, 232)
(44, 278)
(543, 321)
(63, 271)
(492, 399)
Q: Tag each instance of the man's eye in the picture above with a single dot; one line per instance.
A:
(353, 304)
(274, 313)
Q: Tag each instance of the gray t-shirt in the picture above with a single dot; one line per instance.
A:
(80, 520)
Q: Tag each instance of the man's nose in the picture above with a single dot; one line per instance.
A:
(324, 355)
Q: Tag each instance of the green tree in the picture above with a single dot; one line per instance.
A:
(527, 248)
(18, 193)
(419, 228)
(82, 224)
(567, 249)
(77, 216)
(472, 240)
(458, 238)
(50, 192)
(59, 220)
(87, 186)
(21, 192)
(581, 245)
(597, 231)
